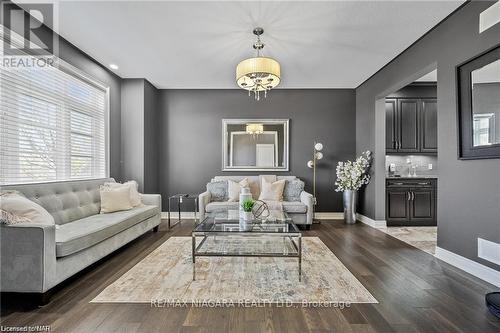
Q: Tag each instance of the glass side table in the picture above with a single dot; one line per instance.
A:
(180, 199)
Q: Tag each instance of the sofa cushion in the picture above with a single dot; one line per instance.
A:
(294, 207)
(80, 234)
(218, 190)
(293, 189)
(221, 206)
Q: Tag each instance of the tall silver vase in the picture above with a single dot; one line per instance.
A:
(350, 201)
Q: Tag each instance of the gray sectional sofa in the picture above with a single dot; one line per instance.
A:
(35, 258)
(300, 211)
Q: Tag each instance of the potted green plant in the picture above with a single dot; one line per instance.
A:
(247, 206)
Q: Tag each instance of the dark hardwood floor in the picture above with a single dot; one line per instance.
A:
(416, 293)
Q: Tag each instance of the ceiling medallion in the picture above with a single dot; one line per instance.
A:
(259, 74)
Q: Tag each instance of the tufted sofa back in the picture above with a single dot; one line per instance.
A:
(65, 201)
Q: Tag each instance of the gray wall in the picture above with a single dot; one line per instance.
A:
(132, 129)
(469, 191)
(151, 137)
(191, 135)
(74, 56)
(139, 128)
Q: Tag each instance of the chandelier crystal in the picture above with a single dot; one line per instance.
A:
(259, 74)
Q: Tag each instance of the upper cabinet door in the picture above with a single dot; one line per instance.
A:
(408, 111)
(391, 135)
(428, 121)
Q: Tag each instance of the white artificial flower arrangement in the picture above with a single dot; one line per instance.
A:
(353, 175)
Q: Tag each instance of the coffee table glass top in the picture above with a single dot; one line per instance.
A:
(278, 222)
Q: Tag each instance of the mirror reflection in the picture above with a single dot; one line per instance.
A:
(486, 104)
(256, 144)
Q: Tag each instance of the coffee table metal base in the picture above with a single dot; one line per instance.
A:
(296, 243)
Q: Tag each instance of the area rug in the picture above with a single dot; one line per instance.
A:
(423, 238)
(166, 274)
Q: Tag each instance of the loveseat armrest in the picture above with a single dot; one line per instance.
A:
(308, 200)
(27, 258)
(203, 200)
(151, 199)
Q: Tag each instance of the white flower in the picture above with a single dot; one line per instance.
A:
(352, 175)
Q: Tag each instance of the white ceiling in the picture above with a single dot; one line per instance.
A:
(328, 44)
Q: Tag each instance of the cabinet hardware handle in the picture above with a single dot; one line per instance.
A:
(398, 183)
(412, 196)
(423, 183)
(409, 196)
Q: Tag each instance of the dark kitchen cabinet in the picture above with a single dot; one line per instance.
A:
(397, 207)
(411, 202)
(428, 125)
(408, 112)
(422, 208)
(390, 125)
(411, 125)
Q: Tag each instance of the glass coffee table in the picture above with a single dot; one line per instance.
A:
(226, 236)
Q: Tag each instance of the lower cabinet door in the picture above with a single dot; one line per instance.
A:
(397, 210)
(423, 206)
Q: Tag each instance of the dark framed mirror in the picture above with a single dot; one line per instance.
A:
(479, 106)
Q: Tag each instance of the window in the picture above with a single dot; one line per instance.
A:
(52, 125)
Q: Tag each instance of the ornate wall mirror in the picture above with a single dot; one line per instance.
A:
(255, 144)
(479, 106)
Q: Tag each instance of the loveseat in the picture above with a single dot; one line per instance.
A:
(300, 210)
(35, 258)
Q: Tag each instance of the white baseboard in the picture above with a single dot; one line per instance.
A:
(478, 270)
(175, 215)
(329, 215)
(372, 223)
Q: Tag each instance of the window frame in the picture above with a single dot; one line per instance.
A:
(68, 69)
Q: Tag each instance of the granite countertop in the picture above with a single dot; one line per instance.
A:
(417, 177)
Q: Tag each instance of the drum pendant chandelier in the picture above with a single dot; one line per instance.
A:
(259, 74)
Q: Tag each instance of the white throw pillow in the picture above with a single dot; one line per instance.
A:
(234, 189)
(15, 209)
(135, 197)
(114, 199)
(272, 191)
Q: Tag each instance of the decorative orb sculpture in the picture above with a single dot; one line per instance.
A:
(319, 155)
(318, 146)
(310, 164)
(260, 210)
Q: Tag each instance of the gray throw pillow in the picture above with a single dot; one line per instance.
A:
(218, 190)
(292, 190)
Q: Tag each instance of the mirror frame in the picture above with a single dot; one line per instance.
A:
(225, 147)
(466, 149)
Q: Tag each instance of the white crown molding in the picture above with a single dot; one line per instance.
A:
(478, 270)
(372, 223)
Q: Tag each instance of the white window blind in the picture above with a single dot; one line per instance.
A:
(52, 126)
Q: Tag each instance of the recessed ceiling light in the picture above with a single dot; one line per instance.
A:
(113, 66)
